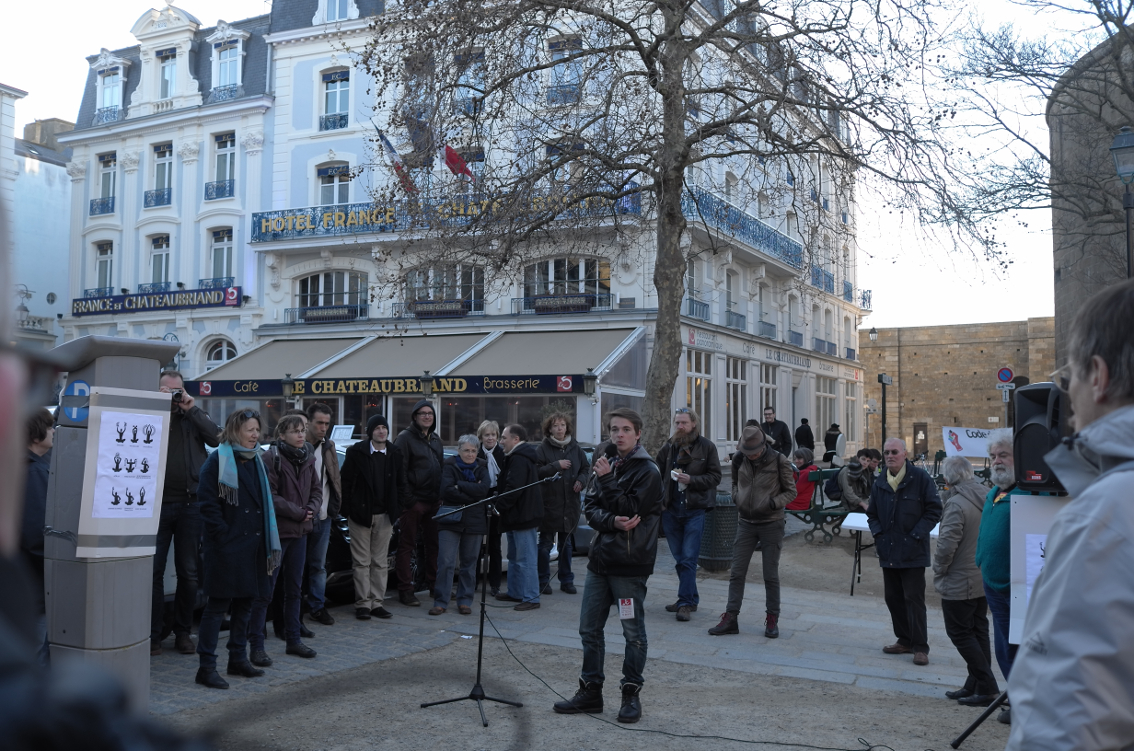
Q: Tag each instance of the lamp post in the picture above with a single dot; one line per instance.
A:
(1122, 149)
(873, 334)
(589, 382)
(885, 380)
(287, 386)
(426, 384)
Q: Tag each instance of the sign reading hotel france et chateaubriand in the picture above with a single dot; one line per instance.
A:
(315, 387)
(227, 297)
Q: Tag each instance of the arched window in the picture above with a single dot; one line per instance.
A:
(219, 352)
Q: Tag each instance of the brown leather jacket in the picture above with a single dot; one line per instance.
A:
(761, 489)
(334, 481)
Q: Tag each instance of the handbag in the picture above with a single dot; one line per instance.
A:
(452, 518)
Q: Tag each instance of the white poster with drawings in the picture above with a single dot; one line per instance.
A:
(129, 449)
(1035, 548)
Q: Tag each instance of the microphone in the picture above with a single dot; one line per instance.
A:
(554, 478)
(610, 452)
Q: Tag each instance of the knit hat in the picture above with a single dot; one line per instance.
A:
(420, 405)
(751, 441)
(854, 469)
(374, 422)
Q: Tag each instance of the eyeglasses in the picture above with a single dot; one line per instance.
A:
(249, 414)
(683, 411)
(1062, 377)
(892, 452)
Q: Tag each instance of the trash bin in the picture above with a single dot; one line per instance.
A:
(719, 535)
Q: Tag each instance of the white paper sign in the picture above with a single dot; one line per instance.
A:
(129, 447)
(626, 608)
(1035, 550)
(341, 433)
(965, 441)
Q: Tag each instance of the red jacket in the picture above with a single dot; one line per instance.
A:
(804, 489)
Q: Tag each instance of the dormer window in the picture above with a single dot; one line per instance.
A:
(167, 62)
(228, 58)
(335, 11)
(110, 75)
(111, 87)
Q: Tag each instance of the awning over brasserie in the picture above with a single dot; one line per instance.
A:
(399, 356)
(544, 352)
(275, 359)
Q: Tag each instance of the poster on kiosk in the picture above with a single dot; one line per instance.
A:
(124, 474)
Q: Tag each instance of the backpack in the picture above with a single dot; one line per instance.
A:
(831, 488)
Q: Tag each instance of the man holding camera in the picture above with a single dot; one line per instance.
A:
(190, 431)
(1072, 683)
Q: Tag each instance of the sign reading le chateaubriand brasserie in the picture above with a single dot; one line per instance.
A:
(228, 297)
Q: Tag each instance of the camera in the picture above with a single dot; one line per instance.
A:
(177, 395)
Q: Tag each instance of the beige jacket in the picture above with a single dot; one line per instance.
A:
(955, 573)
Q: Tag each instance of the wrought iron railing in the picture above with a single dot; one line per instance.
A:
(848, 291)
(864, 296)
(220, 189)
(736, 320)
(696, 309)
(824, 280)
(102, 206)
(438, 309)
(333, 122)
(328, 314)
(217, 282)
(795, 338)
(832, 349)
(570, 302)
(700, 205)
(107, 115)
(98, 292)
(819, 345)
(224, 93)
(150, 288)
(766, 329)
(158, 197)
(851, 354)
(565, 93)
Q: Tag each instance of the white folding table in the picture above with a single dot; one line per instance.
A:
(857, 524)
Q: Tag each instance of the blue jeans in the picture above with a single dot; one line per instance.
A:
(291, 568)
(566, 548)
(209, 631)
(600, 593)
(523, 576)
(683, 530)
(316, 577)
(180, 524)
(451, 546)
(999, 604)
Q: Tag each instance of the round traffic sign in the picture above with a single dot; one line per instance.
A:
(77, 388)
(1004, 375)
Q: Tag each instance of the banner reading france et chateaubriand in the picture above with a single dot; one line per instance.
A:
(966, 441)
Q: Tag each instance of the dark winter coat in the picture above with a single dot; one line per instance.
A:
(198, 430)
(457, 491)
(804, 438)
(634, 489)
(562, 506)
(234, 553)
(901, 521)
(779, 435)
(295, 491)
(523, 510)
(373, 486)
(701, 463)
(422, 457)
(762, 489)
(35, 513)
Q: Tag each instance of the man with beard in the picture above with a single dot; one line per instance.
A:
(994, 547)
(691, 472)
(422, 456)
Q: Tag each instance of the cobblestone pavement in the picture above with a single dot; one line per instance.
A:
(823, 637)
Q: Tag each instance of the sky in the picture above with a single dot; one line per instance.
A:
(914, 281)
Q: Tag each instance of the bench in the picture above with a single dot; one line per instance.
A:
(822, 510)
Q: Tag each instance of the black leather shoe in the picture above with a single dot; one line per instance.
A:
(569, 588)
(408, 598)
(323, 617)
(505, 597)
(960, 693)
(210, 678)
(185, 644)
(546, 589)
(381, 612)
(261, 659)
(587, 700)
(631, 710)
(977, 700)
(362, 614)
(245, 669)
(673, 608)
(304, 632)
(301, 650)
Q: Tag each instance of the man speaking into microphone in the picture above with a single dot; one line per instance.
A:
(623, 506)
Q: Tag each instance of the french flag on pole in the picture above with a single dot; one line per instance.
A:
(399, 166)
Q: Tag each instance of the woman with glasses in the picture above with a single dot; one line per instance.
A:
(296, 493)
(241, 547)
(464, 480)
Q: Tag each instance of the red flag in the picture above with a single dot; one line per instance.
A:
(456, 164)
(399, 166)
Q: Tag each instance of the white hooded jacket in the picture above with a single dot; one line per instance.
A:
(1072, 683)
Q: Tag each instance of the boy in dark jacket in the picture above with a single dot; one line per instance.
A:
(422, 456)
(623, 506)
(373, 482)
(520, 515)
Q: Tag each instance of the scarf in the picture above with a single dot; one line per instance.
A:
(466, 470)
(896, 480)
(493, 467)
(229, 491)
(298, 457)
(617, 463)
(560, 444)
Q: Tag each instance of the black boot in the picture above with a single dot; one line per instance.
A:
(588, 699)
(631, 705)
(211, 678)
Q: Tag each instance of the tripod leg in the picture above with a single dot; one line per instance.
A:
(988, 712)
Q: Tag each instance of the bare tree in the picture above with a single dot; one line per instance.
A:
(601, 119)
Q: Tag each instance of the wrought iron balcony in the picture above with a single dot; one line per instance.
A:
(736, 320)
(832, 349)
(99, 292)
(153, 287)
(851, 354)
(701, 206)
(102, 206)
(556, 304)
(565, 93)
(824, 280)
(766, 330)
(224, 93)
(328, 314)
(159, 197)
(424, 309)
(107, 115)
(848, 291)
(795, 338)
(220, 189)
(217, 282)
(864, 296)
(334, 122)
(819, 345)
(696, 309)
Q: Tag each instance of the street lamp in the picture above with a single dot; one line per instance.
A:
(287, 386)
(873, 334)
(885, 380)
(1123, 152)
(426, 383)
(589, 382)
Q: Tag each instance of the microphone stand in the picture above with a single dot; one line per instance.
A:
(477, 694)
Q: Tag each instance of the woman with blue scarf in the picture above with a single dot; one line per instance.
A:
(464, 480)
(241, 546)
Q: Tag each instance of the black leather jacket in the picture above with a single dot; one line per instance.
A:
(422, 459)
(701, 463)
(635, 488)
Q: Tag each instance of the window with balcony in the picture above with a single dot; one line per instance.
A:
(218, 353)
(571, 283)
(224, 173)
(733, 317)
(566, 74)
(162, 192)
(104, 266)
(220, 260)
(107, 181)
(331, 297)
(445, 292)
(334, 184)
(336, 100)
(732, 189)
(109, 95)
(470, 82)
(167, 66)
(694, 307)
(159, 265)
